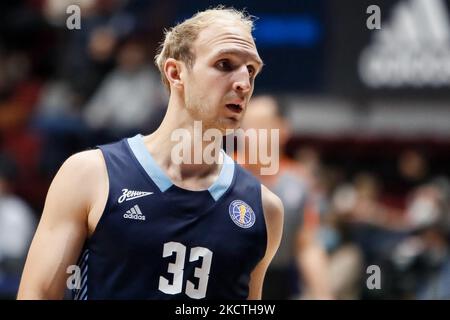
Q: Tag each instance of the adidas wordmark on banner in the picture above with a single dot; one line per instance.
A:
(412, 49)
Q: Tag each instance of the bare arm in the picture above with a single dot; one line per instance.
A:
(63, 227)
(312, 260)
(273, 213)
(313, 263)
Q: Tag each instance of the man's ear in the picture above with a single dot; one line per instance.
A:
(172, 70)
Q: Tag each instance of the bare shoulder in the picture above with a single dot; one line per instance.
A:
(84, 166)
(274, 216)
(272, 205)
(84, 162)
(80, 178)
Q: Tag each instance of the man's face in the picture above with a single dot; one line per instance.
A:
(220, 83)
(262, 114)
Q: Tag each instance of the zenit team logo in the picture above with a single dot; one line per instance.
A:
(241, 214)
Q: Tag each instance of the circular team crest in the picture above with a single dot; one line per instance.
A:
(241, 214)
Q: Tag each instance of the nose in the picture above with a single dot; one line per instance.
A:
(242, 82)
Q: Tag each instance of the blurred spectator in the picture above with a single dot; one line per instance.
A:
(19, 91)
(131, 97)
(421, 263)
(345, 257)
(413, 168)
(371, 229)
(87, 55)
(58, 121)
(300, 258)
(17, 225)
(360, 203)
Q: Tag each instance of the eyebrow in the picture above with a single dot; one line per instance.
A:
(238, 52)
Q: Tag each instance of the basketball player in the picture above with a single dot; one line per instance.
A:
(141, 226)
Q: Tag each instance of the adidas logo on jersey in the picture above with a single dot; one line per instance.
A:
(134, 213)
(128, 195)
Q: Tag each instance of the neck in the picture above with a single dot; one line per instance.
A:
(178, 145)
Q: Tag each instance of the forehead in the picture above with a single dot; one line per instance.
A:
(226, 36)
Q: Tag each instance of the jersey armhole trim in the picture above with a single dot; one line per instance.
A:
(266, 238)
(107, 205)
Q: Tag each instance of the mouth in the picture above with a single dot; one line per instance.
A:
(235, 108)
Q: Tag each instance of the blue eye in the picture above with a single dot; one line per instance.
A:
(251, 70)
(224, 65)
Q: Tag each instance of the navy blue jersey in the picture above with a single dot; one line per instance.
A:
(156, 240)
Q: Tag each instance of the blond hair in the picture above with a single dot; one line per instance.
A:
(178, 40)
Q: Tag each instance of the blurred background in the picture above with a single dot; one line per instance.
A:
(365, 119)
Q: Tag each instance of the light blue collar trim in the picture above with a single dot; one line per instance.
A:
(146, 160)
(223, 182)
(217, 189)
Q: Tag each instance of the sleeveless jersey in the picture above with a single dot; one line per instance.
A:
(156, 240)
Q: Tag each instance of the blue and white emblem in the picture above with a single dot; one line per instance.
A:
(242, 214)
